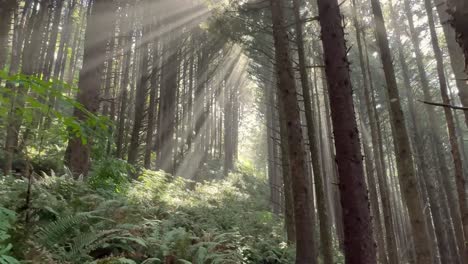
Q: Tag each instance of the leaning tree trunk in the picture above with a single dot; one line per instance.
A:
(406, 172)
(290, 107)
(455, 150)
(358, 239)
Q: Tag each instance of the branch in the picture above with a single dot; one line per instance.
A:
(445, 105)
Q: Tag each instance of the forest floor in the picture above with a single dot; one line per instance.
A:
(157, 219)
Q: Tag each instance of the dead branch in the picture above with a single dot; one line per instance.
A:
(455, 107)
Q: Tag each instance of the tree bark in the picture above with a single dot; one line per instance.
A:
(140, 96)
(358, 238)
(289, 105)
(406, 172)
(89, 84)
(388, 233)
(7, 8)
(455, 150)
(323, 211)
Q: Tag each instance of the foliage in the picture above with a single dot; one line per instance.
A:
(48, 120)
(7, 217)
(157, 219)
(110, 174)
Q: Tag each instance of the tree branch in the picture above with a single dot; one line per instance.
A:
(445, 105)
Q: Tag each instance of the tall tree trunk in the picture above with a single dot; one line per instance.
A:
(289, 219)
(152, 106)
(434, 129)
(406, 172)
(358, 238)
(140, 96)
(290, 107)
(228, 123)
(124, 82)
(391, 248)
(167, 105)
(455, 150)
(78, 157)
(7, 8)
(427, 177)
(325, 230)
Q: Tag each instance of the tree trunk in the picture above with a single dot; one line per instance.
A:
(152, 106)
(389, 232)
(358, 239)
(289, 105)
(167, 106)
(456, 156)
(7, 8)
(89, 84)
(140, 98)
(406, 172)
(325, 230)
(458, 9)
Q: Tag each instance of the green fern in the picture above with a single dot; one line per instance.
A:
(57, 231)
(7, 217)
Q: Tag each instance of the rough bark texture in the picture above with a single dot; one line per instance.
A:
(286, 173)
(358, 239)
(322, 208)
(459, 11)
(455, 53)
(89, 83)
(290, 107)
(406, 172)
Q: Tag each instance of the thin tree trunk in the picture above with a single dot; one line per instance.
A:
(152, 106)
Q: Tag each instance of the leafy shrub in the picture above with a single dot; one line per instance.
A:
(110, 174)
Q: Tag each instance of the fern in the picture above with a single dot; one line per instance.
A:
(57, 231)
(7, 217)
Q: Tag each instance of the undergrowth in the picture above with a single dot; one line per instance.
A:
(156, 219)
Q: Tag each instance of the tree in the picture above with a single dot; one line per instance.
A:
(6, 14)
(406, 172)
(288, 103)
(358, 237)
(449, 118)
(78, 150)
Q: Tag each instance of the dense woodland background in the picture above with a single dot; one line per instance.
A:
(236, 131)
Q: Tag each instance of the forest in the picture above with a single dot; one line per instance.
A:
(233, 131)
